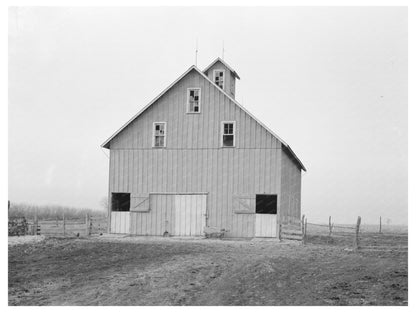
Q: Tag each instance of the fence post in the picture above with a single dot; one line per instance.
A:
(380, 226)
(86, 225)
(330, 227)
(302, 223)
(357, 232)
(280, 231)
(63, 222)
(305, 226)
(35, 226)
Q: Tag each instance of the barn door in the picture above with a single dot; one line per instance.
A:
(266, 216)
(171, 214)
(120, 213)
(190, 214)
(120, 222)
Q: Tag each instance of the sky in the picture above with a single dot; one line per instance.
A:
(330, 81)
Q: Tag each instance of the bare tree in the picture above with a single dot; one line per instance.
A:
(49, 212)
(104, 203)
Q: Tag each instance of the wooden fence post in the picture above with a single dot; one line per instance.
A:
(357, 232)
(379, 230)
(63, 222)
(36, 223)
(280, 231)
(302, 223)
(330, 226)
(87, 226)
(305, 226)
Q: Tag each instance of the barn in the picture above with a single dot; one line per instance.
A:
(195, 159)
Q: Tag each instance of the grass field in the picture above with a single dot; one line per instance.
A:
(115, 270)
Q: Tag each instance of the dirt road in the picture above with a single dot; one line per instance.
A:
(110, 270)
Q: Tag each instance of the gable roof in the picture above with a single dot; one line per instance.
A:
(218, 59)
(193, 67)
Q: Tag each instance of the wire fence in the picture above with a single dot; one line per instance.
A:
(358, 237)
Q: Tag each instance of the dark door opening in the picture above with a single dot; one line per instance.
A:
(120, 201)
(266, 204)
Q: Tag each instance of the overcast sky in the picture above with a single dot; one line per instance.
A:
(332, 82)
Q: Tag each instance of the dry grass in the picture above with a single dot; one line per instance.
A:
(111, 270)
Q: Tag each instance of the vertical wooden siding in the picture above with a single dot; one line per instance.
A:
(193, 160)
(266, 225)
(120, 222)
(290, 203)
(190, 215)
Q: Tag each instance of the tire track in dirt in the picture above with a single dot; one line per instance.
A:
(172, 272)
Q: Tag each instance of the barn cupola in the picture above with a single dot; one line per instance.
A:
(222, 75)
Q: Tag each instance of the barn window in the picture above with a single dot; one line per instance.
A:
(159, 134)
(120, 201)
(266, 204)
(194, 100)
(219, 78)
(228, 133)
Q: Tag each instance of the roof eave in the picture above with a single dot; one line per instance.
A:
(296, 157)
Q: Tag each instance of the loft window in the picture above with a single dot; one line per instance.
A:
(194, 100)
(120, 201)
(228, 133)
(159, 134)
(219, 78)
(266, 204)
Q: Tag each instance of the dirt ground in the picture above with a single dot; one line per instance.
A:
(114, 270)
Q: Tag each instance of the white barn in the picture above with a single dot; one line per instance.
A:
(194, 157)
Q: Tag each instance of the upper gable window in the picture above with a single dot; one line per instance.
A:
(194, 100)
(228, 133)
(219, 76)
(159, 134)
